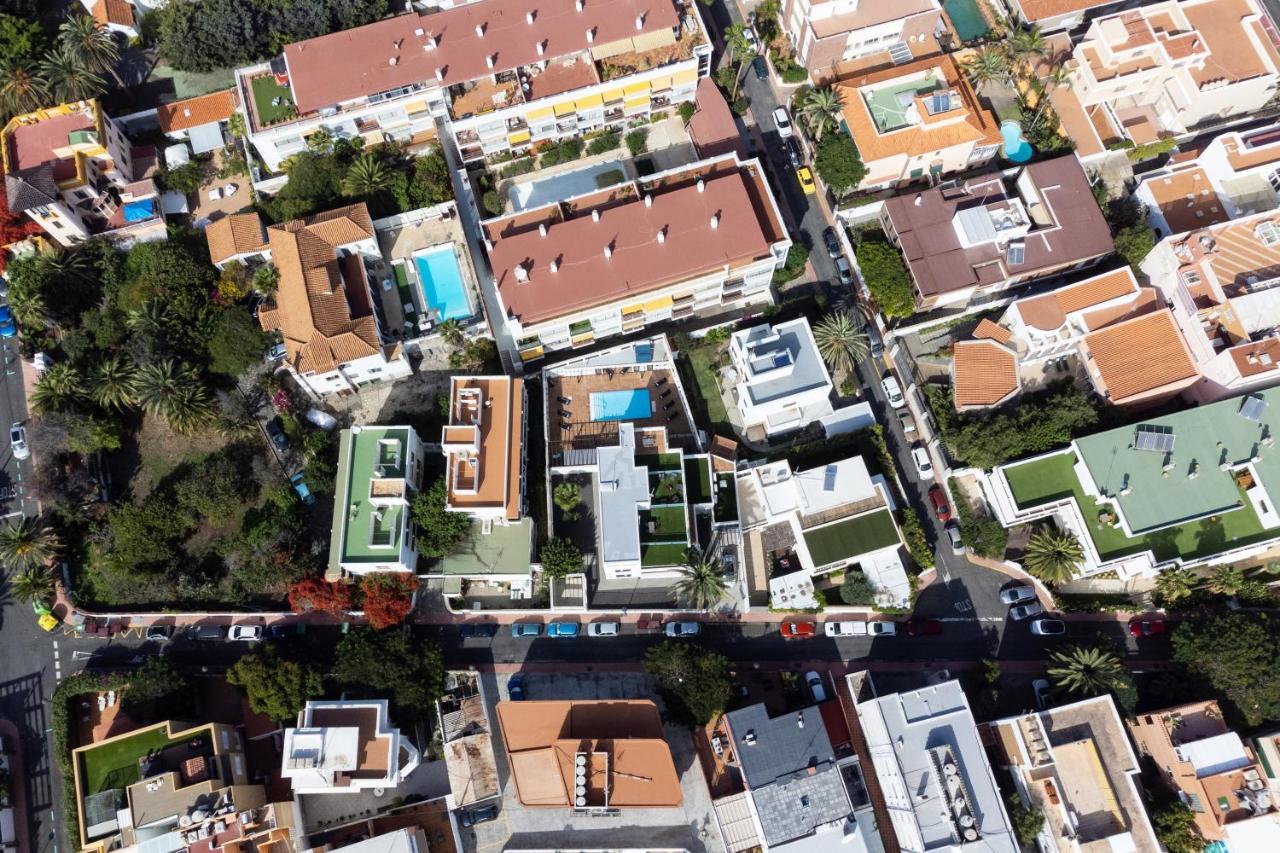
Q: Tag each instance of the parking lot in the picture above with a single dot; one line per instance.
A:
(691, 826)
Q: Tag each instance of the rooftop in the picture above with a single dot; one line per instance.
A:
(1139, 357)
(507, 549)
(1186, 198)
(370, 511)
(984, 373)
(52, 137)
(237, 234)
(484, 445)
(1048, 312)
(338, 744)
(1039, 10)
(865, 15)
(713, 129)
(778, 362)
(193, 112)
(778, 749)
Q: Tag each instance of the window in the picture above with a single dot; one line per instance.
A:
(1017, 254)
(1268, 233)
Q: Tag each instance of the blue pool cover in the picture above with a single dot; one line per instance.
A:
(644, 353)
(630, 405)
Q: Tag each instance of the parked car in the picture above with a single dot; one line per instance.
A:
(563, 629)
(832, 241)
(816, 688)
(207, 632)
(682, 629)
(805, 177)
(300, 486)
(275, 431)
(40, 361)
(952, 532)
(276, 352)
(783, 122)
(1023, 611)
(845, 629)
(875, 344)
(1046, 627)
(18, 441)
(1017, 594)
(795, 154)
(798, 630)
(324, 420)
(603, 629)
(893, 391)
(844, 271)
(283, 631)
(515, 688)
(482, 815)
(762, 70)
(525, 629)
(749, 33)
(485, 630)
(245, 633)
(938, 500)
(1141, 626)
(920, 456)
(8, 328)
(882, 628)
(924, 627)
(159, 633)
(1043, 691)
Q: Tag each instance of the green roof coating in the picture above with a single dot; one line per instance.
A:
(852, 537)
(1204, 438)
(505, 550)
(364, 532)
(885, 103)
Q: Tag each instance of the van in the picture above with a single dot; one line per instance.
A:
(207, 632)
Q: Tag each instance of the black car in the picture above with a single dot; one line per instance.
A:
(474, 816)
(795, 156)
(832, 239)
(758, 66)
(275, 431)
(488, 630)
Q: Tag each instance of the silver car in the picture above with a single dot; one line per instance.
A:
(602, 629)
(18, 441)
(1023, 611)
(1017, 594)
(682, 629)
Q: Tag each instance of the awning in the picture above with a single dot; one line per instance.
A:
(589, 102)
(540, 113)
(685, 77)
(206, 137)
(563, 109)
(177, 155)
(520, 136)
(635, 89)
(612, 95)
(658, 304)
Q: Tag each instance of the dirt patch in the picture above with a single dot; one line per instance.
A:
(160, 450)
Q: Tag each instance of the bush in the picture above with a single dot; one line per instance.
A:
(913, 534)
(982, 533)
(838, 163)
(1027, 822)
(686, 110)
(1135, 243)
(491, 202)
(523, 166)
(1137, 153)
(604, 142)
(565, 151)
(856, 590)
(793, 267)
(637, 141)
(1094, 603)
(887, 277)
(560, 558)
(185, 179)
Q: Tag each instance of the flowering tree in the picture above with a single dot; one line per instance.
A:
(388, 597)
(314, 593)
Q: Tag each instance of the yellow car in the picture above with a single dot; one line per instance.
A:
(806, 180)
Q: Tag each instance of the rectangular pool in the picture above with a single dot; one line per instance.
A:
(631, 405)
(442, 284)
(967, 18)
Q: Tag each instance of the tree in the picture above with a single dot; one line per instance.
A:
(1053, 555)
(314, 593)
(14, 227)
(1173, 585)
(1135, 243)
(27, 544)
(175, 394)
(696, 678)
(69, 79)
(739, 47)
(237, 342)
(274, 685)
(701, 584)
(1086, 670)
(266, 278)
(1025, 44)
(561, 557)
(21, 40)
(822, 111)
(32, 586)
(115, 385)
(1175, 827)
(887, 278)
(988, 65)
(841, 341)
(567, 496)
(451, 333)
(1027, 821)
(1226, 580)
(1238, 655)
(838, 164)
(58, 389)
(388, 597)
(92, 44)
(366, 177)
(392, 665)
(856, 590)
(439, 530)
(22, 87)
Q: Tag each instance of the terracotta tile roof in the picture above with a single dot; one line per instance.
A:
(984, 373)
(113, 12)
(1256, 357)
(322, 304)
(1038, 10)
(1141, 355)
(1049, 311)
(1187, 199)
(987, 330)
(193, 112)
(1221, 26)
(237, 234)
(1146, 300)
(713, 129)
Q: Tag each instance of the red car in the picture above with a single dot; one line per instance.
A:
(924, 627)
(938, 500)
(798, 630)
(1140, 627)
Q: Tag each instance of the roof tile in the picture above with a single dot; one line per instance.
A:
(193, 112)
(984, 373)
(1141, 355)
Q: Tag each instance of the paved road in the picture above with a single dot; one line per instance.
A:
(13, 409)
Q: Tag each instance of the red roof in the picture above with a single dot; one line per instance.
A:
(712, 128)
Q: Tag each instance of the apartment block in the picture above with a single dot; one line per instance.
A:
(498, 75)
(1053, 16)
(828, 35)
(379, 474)
(781, 382)
(343, 746)
(696, 239)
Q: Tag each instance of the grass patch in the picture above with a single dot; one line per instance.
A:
(265, 90)
(698, 370)
(668, 523)
(115, 764)
(662, 554)
(609, 178)
(697, 480)
(666, 488)
(659, 461)
(851, 537)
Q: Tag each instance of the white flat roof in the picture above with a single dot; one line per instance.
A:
(1216, 754)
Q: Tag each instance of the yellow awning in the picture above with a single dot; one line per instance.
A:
(641, 101)
(689, 75)
(415, 107)
(659, 84)
(631, 309)
(658, 304)
(529, 354)
(612, 95)
(635, 88)
(589, 102)
(518, 137)
(564, 109)
(540, 113)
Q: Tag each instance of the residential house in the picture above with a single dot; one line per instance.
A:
(781, 383)
(932, 769)
(1054, 16)
(379, 474)
(467, 738)
(1074, 765)
(121, 16)
(71, 169)
(987, 234)
(805, 524)
(713, 129)
(1211, 770)
(592, 755)
(343, 745)
(199, 121)
(334, 340)
(502, 75)
(828, 35)
(1164, 68)
(696, 239)
(917, 122)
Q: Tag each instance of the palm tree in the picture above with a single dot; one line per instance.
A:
(451, 332)
(57, 390)
(1024, 44)
(68, 78)
(1086, 671)
(366, 177)
(1053, 555)
(1057, 78)
(701, 584)
(33, 586)
(988, 65)
(28, 305)
(822, 111)
(841, 341)
(77, 265)
(22, 89)
(91, 43)
(115, 383)
(157, 384)
(1176, 584)
(176, 394)
(149, 320)
(735, 39)
(1226, 580)
(191, 408)
(27, 544)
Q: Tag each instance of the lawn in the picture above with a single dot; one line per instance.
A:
(700, 366)
(669, 523)
(265, 90)
(115, 764)
(851, 537)
(1053, 478)
(666, 488)
(662, 554)
(659, 461)
(697, 478)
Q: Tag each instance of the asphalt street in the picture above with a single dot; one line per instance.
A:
(13, 410)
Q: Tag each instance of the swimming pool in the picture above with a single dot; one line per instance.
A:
(136, 211)
(631, 405)
(442, 285)
(967, 18)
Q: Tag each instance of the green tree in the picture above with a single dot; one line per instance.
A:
(69, 79)
(701, 584)
(1053, 555)
(28, 544)
(838, 163)
(1024, 45)
(637, 141)
(739, 47)
(822, 112)
(176, 394)
(887, 278)
(87, 434)
(266, 279)
(23, 88)
(696, 679)
(1175, 826)
(856, 590)
(841, 341)
(567, 496)
(1238, 655)
(439, 530)
(32, 586)
(391, 664)
(1135, 243)
(92, 44)
(21, 40)
(1086, 670)
(1027, 821)
(561, 557)
(366, 177)
(986, 66)
(451, 333)
(1173, 585)
(1226, 580)
(144, 537)
(237, 342)
(115, 384)
(58, 389)
(275, 686)
(1041, 422)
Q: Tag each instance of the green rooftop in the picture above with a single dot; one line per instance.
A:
(852, 537)
(114, 763)
(505, 550)
(365, 530)
(888, 104)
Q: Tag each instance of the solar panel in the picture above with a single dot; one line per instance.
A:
(829, 479)
(1154, 437)
(1252, 407)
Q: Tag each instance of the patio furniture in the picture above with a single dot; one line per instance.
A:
(230, 190)
(215, 194)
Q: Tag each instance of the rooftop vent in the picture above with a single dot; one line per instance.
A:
(528, 18)
(648, 201)
(639, 22)
(489, 62)
(662, 235)
(522, 274)
(595, 216)
(608, 251)
(1252, 407)
(542, 228)
(578, 5)
(702, 186)
(439, 73)
(555, 265)
(393, 60)
(591, 35)
(419, 32)
(540, 48)
(480, 30)
(715, 220)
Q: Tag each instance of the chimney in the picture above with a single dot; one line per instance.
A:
(648, 201)
(419, 32)
(542, 228)
(639, 22)
(715, 220)
(522, 274)
(702, 186)
(608, 251)
(432, 43)
(488, 61)
(528, 18)
(555, 265)
(662, 235)
(591, 35)
(540, 48)
(480, 30)
(440, 74)
(595, 216)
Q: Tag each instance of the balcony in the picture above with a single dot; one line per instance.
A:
(484, 95)
(634, 62)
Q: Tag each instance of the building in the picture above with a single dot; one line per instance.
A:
(989, 233)
(804, 786)
(1052, 16)
(917, 122)
(1195, 487)
(829, 34)
(1074, 764)
(121, 16)
(345, 745)
(502, 76)
(698, 239)
(467, 737)
(324, 306)
(595, 755)
(379, 474)
(199, 121)
(932, 770)
(782, 383)
(836, 517)
(1162, 69)
(71, 169)
(1211, 769)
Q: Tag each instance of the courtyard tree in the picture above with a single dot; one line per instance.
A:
(561, 557)
(439, 530)
(856, 590)
(838, 164)
(1226, 580)
(1053, 555)
(568, 497)
(701, 584)
(821, 111)
(695, 680)
(1175, 826)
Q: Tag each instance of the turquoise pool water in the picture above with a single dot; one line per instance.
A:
(1016, 149)
(442, 283)
(631, 405)
(967, 18)
(136, 211)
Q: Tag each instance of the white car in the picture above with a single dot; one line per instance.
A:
(18, 441)
(816, 687)
(245, 633)
(893, 391)
(602, 629)
(682, 629)
(783, 122)
(1022, 611)
(1044, 693)
(924, 467)
(883, 629)
(845, 629)
(41, 363)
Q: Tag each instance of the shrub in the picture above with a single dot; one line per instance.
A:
(913, 533)
(523, 166)
(1137, 153)
(838, 163)
(388, 597)
(561, 557)
(491, 201)
(793, 267)
(887, 277)
(1135, 243)
(686, 110)
(637, 141)
(604, 142)
(314, 593)
(856, 590)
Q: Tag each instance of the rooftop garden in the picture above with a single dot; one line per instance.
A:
(697, 477)
(726, 505)
(861, 534)
(114, 764)
(272, 102)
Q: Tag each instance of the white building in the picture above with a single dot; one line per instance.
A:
(782, 383)
(828, 33)
(344, 746)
